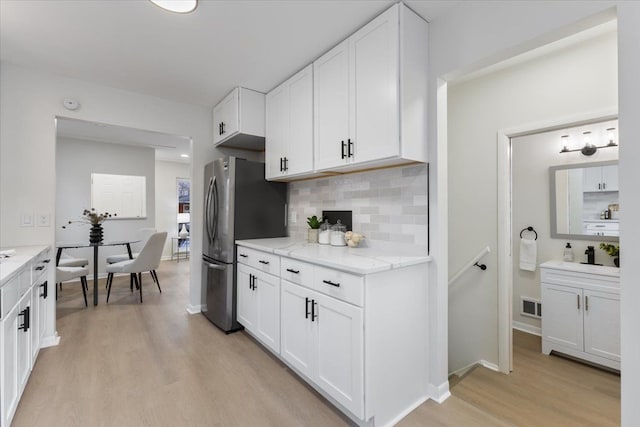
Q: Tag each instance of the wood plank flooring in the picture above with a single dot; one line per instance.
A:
(152, 364)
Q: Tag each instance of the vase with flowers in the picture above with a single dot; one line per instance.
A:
(612, 250)
(91, 217)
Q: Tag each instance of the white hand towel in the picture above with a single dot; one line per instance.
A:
(528, 254)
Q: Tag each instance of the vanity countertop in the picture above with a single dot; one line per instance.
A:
(352, 260)
(582, 268)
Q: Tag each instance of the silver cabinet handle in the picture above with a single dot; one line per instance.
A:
(578, 299)
(586, 303)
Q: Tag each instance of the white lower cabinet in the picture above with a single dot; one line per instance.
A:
(323, 339)
(9, 343)
(258, 307)
(581, 315)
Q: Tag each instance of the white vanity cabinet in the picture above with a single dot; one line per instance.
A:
(370, 95)
(581, 311)
(353, 327)
(602, 178)
(289, 131)
(239, 120)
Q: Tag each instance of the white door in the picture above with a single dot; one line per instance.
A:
(610, 178)
(296, 327)
(375, 89)
(24, 341)
(9, 367)
(267, 290)
(339, 359)
(277, 122)
(299, 154)
(592, 179)
(246, 300)
(602, 324)
(562, 318)
(331, 112)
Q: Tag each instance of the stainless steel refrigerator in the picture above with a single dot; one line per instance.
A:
(238, 204)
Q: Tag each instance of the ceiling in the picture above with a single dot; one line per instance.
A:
(195, 58)
(167, 147)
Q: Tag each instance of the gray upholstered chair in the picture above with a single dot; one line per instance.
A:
(147, 260)
(142, 235)
(65, 274)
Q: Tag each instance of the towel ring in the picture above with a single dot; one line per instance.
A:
(529, 228)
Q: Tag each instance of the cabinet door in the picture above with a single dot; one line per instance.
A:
(267, 292)
(610, 178)
(602, 324)
(375, 112)
(9, 366)
(562, 318)
(338, 364)
(331, 112)
(42, 309)
(24, 342)
(277, 120)
(35, 320)
(592, 179)
(299, 152)
(296, 327)
(225, 117)
(218, 118)
(246, 303)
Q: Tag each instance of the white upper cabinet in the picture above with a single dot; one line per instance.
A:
(370, 95)
(289, 132)
(239, 120)
(600, 178)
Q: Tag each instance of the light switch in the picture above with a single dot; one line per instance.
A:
(26, 219)
(293, 217)
(43, 219)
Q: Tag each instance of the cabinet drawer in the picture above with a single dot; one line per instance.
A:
(297, 272)
(12, 291)
(263, 261)
(343, 286)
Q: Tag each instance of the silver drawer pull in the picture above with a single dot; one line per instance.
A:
(263, 261)
(290, 270)
(329, 282)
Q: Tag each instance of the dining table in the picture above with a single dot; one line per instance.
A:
(96, 246)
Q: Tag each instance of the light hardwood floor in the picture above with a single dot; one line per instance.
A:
(152, 364)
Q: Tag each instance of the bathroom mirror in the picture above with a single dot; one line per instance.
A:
(584, 201)
(124, 195)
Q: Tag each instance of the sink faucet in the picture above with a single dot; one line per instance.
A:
(591, 255)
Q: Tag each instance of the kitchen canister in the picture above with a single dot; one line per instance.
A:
(337, 234)
(325, 230)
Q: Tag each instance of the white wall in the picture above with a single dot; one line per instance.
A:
(29, 103)
(76, 160)
(531, 157)
(167, 198)
(567, 82)
(480, 34)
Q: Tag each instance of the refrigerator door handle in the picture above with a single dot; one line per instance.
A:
(207, 210)
(214, 225)
(214, 266)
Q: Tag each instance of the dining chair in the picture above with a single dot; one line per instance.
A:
(65, 274)
(147, 260)
(142, 235)
(69, 261)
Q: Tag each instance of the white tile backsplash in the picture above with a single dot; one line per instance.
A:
(389, 205)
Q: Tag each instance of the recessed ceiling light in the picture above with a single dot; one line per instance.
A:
(186, 156)
(178, 6)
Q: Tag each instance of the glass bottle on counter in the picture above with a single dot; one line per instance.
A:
(568, 253)
(337, 234)
(323, 234)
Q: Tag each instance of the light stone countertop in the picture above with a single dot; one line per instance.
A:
(582, 268)
(24, 254)
(351, 260)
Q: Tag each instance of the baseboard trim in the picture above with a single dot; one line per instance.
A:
(194, 309)
(439, 393)
(50, 341)
(525, 327)
(489, 365)
(460, 372)
(407, 411)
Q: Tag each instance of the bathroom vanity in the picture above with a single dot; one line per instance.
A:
(581, 311)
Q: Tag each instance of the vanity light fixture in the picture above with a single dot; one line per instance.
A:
(588, 149)
(177, 6)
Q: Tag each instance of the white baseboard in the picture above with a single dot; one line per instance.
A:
(50, 341)
(489, 365)
(194, 309)
(482, 362)
(439, 393)
(525, 327)
(407, 411)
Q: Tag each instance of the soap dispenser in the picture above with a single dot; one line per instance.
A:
(568, 253)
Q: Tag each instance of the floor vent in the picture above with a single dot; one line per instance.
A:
(530, 307)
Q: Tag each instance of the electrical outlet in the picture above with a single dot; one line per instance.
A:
(293, 217)
(26, 219)
(43, 219)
